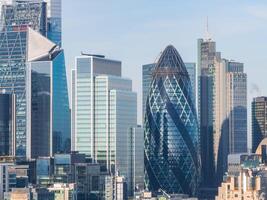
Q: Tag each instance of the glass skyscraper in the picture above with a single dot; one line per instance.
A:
(7, 124)
(15, 18)
(106, 111)
(172, 161)
(47, 108)
(147, 72)
(237, 107)
(45, 18)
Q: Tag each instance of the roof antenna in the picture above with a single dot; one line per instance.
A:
(207, 34)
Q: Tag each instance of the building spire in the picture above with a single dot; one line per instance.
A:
(207, 33)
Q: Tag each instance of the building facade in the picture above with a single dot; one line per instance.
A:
(147, 74)
(222, 102)
(47, 116)
(7, 124)
(259, 121)
(237, 107)
(105, 100)
(44, 18)
(171, 129)
(16, 18)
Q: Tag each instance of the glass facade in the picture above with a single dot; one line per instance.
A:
(171, 131)
(61, 110)
(147, 71)
(259, 118)
(7, 124)
(237, 108)
(40, 108)
(48, 110)
(106, 109)
(14, 21)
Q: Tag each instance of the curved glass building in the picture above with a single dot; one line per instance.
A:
(171, 130)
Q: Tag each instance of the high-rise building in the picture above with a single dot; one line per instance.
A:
(62, 128)
(136, 159)
(147, 74)
(171, 129)
(106, 109)
(15, 19)
(259, 121)
(47, 113)
(45, 18)
(237, 107)
(222, 111)
(7, 124)
(206, 58)
(54, 22)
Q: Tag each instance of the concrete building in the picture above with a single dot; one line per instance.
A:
(63, 191)
(248, 185)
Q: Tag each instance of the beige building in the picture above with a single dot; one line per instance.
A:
(250, 184)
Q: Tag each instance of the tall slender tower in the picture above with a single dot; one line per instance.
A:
(171, 130)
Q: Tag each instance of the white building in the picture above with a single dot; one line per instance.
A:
(104, 108)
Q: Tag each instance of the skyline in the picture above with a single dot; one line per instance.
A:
(136, 35)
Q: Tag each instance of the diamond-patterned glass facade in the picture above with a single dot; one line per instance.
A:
(15, 19)
(171, 132)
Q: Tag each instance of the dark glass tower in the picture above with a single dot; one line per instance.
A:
(172, 161)
(7, 124)
(259, 121)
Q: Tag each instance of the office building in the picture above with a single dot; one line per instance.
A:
(136, 159)
(259, 121)
(222, 103)
(237, 107)
(105, 100)
(7, 124)
(16, 18)
(61, 114)
(54, 22)
(64, 191)
(238, 161)
(171, 130)
(47, 121)
(250, 183)
(147, 74)
(44, 171)
(206, 58)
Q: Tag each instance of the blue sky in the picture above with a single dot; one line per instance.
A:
(136, 31)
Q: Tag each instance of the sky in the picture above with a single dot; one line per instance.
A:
(136, 31)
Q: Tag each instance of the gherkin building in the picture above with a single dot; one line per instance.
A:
(172, 161)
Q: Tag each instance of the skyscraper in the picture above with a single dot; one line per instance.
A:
(222, 111)
(45, 119)
(171, 130)
(147, 72)
(259, 121)
(106, 110)
(7, 124)
(15, 19)
(45, 18)
(206, 58)
(237, 107)
(54, 22)
(61, 120)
